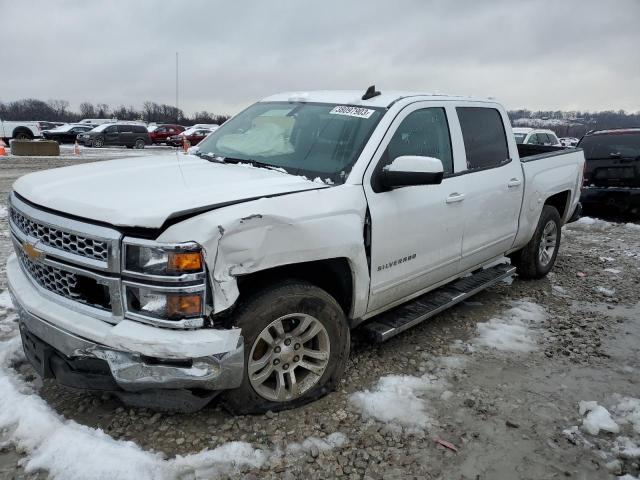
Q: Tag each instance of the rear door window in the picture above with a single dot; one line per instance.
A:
(534, 139)
(485, 140)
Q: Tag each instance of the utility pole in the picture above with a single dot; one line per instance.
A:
(177, 104)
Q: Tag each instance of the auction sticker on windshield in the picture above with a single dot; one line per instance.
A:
(352, 111)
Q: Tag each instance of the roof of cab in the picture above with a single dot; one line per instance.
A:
(354, 97)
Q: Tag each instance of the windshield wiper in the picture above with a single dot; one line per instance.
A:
(253, 163)
(210, 156)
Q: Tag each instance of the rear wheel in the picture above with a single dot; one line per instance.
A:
(296, 348)
(538, 256)
(139, 144)
(23, 135)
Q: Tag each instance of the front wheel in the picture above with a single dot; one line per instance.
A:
(296, 342)
(537, 257)
(98, 143)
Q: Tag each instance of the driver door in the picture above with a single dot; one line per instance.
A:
(416, 231)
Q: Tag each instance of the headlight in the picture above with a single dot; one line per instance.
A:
(164, 284)
(149, 258)
(166, 305)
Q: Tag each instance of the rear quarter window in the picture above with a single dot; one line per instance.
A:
(485, 139)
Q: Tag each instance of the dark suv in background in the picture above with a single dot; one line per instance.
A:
(612, 170)
(109, 134)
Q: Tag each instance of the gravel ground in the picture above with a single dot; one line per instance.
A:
(503, 412)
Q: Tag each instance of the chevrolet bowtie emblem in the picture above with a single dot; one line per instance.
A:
(32, 252)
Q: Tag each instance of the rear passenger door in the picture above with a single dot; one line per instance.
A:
(494, 186)
(126, 134)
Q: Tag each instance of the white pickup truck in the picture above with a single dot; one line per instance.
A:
(242, 270)
(19, 130)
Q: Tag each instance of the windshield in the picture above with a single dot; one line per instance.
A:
(611, 145)
(314, 140)
(63, 128)
(100, 128)
(520, 137)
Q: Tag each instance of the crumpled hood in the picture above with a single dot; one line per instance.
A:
(145, 192)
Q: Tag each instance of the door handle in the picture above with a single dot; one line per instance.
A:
(514, 182)
(455, 198)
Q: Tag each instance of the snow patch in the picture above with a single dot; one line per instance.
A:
(612, 270)
(597, 418)
(632, 226)
(335, 440)
(5, 301)
(607, 292)
(396, 399)
(588, 223)
(3, 211)
(512, 332)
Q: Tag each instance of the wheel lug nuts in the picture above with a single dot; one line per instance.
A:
(296, 346)
(296, 358)
(285, 366)
(276, 361)
(287, 342)
(277, 349)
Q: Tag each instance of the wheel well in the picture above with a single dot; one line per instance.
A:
(559, 201)
(333, 275)
(19, 130)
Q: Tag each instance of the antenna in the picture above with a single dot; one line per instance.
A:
(370, 93)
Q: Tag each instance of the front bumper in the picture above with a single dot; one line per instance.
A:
(63, 344)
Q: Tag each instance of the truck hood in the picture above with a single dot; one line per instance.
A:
(146, 192)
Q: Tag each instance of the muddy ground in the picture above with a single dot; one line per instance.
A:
(505, 413)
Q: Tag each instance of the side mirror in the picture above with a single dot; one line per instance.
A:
(409, 170)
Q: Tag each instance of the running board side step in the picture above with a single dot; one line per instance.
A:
(392, 322)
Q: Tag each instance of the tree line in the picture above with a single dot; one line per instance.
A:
(60, 111)
(574, 123)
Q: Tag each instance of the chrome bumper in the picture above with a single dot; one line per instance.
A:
(133, 372)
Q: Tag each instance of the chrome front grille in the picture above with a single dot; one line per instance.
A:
(66, 284)
(72, 262)
(59, 239)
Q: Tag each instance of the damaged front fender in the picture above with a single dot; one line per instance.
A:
(272, 232)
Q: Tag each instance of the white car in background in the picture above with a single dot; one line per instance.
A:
(19, 130)
(569, 141)
(532, 136)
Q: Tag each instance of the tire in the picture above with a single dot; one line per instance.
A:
(22, 135)
(535, 259)
(98, 143)
(300, 309)
(139, 145)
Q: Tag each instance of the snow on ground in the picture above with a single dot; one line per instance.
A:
(3, 211)
(588, 223)
(607, 292)
(54, 444)
(613, 433)
(404, 400)
(5, 300)
(512, 331)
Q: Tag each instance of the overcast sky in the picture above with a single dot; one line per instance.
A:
(543, 54)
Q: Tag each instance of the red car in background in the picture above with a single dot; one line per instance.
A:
(193, 135)
(161, 133)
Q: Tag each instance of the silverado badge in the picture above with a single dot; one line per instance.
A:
(31, 251)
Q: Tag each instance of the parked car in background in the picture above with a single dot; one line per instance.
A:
(234, 271)
(98, 121)
(160, 133)
(110, 134)
(19, 130)
(47, 125)
(569, 141)
(612, 173)
(193, 136)
(211, 126)
(66, 133)
(531, 136)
